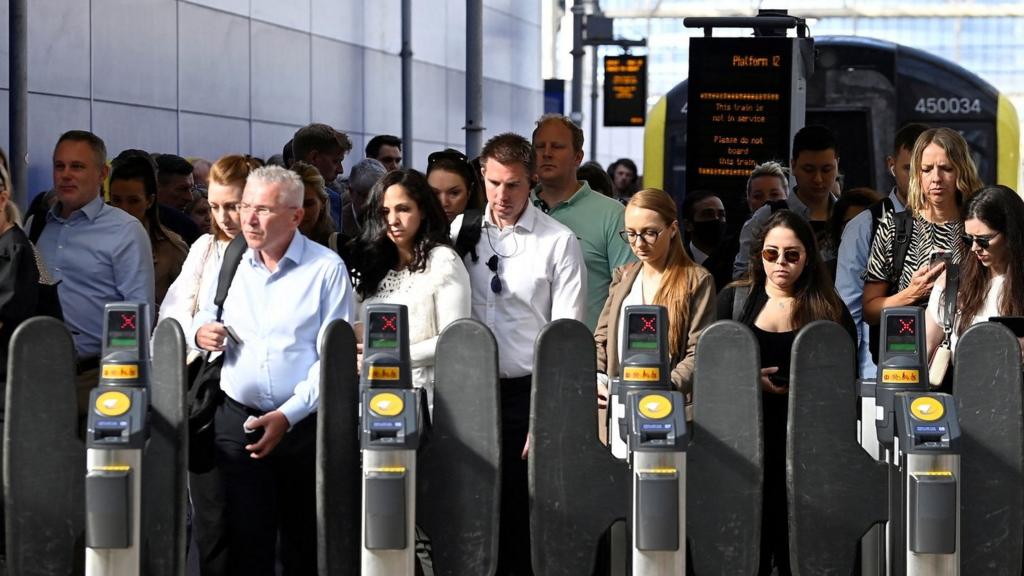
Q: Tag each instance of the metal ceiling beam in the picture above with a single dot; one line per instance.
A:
(953, 10)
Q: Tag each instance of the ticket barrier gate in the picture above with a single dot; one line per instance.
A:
(943, 517)
(128, 523)
(987, 387)
(579, 488)
(366, 511)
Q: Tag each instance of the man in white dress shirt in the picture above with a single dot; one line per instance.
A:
(530, 271)
(286, 291)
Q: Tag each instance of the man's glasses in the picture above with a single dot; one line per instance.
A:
(790, 255)
(648, 236)
(447, 154)
(981, 241)
(492, 265)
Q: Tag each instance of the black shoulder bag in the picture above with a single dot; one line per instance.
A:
(204, 392)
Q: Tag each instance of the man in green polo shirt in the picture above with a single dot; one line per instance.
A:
(593, 217)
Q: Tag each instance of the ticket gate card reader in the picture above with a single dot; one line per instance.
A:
(644, 366)
(902, 365)
(391, 421)
(657, 446)
(115, 439)
(928, 441)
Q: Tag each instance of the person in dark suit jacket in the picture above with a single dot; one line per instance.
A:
(706, 241)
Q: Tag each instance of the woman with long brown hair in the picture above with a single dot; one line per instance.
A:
(787, 287)
(665, 276)
(991, 278)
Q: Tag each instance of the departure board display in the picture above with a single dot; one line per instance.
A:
(739, 108)
(625, 90)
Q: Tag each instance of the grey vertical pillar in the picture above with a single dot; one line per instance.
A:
(18, 157)
(406, 55)
(593, 103)
(577, 62)
(474, 77)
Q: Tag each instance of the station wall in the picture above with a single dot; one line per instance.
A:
(211, 77)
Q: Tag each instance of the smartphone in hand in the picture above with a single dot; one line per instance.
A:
(938, 256)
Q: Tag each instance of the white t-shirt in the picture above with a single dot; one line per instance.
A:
(634, 298)
(989, 309)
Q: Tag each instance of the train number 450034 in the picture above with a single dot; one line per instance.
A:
(948, 105)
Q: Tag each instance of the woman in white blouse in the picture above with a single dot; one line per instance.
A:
(190, 290)
(406, 258)
(991, 279)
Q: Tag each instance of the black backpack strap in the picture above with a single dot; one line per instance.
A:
(232, 256)
(469, 234)
(949, 296)
(904, 230)
(879, 209)
(38, 223)
(739, 300)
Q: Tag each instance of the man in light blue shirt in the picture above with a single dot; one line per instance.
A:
(856, 243)
(96, 252)
(286, 291)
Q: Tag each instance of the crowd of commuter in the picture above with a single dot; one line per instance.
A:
(522, 236)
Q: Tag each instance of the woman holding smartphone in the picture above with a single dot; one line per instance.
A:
(943, 177)
(991, 279)
(787, 288)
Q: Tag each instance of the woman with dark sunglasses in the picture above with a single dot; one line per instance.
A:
(664, 275)
(991, 279)
(404, 256)
(787, 287)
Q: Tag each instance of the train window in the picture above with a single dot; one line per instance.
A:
(857, 155)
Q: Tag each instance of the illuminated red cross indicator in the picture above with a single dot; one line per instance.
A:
(389, 323)
(648, 324)
(906, 326)
(127, 321)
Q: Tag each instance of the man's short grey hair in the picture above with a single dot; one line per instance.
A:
(291, 192)
(364, 175)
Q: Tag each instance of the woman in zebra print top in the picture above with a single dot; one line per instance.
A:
(943, 176)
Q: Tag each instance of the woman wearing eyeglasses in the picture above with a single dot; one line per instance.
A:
(665, 276)
(943, 176)
(787, 287)
(991, 279)
(406, 258)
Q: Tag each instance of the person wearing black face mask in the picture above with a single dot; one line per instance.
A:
(706, 242)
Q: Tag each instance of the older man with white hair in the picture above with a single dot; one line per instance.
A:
(287, 289)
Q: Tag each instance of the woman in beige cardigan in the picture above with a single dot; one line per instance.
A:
(665, 276)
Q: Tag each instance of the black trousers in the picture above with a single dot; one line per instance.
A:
(514, 530)
(270, 500)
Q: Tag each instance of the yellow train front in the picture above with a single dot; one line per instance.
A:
(864, 90)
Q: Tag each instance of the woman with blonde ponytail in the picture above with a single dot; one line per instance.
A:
(664, 276)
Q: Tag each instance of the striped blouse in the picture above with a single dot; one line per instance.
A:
(926, 238)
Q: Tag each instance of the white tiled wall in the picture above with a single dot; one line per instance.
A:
(211, 77)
